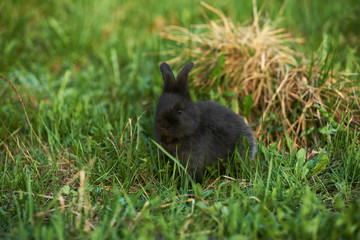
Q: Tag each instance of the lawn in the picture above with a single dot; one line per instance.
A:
(77, 102)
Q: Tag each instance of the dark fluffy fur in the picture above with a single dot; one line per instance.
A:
(197, 133)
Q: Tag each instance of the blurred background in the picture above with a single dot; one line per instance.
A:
(91, 65)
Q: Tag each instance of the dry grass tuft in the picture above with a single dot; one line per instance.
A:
(260, 59)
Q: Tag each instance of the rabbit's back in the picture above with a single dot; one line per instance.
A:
(221, 129)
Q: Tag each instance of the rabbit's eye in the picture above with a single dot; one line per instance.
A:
(179, 108)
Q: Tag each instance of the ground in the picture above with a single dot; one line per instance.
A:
(78, 160)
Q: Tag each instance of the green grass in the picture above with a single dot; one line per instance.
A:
(84, 68)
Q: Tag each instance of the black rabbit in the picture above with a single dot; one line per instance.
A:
(198, 133)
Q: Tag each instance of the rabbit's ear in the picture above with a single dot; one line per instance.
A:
(182, 79)
(168, 76)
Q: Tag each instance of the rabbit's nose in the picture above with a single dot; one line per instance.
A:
(163, 124)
